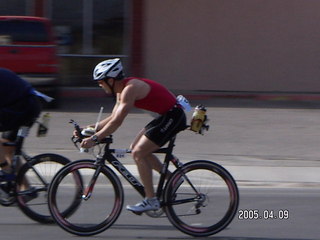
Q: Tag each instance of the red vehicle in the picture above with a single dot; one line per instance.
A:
(28, 48)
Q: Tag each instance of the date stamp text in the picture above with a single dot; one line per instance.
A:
(255, 214)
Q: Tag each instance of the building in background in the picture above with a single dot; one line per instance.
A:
(87, 32)
(207, 45)
(231, 45)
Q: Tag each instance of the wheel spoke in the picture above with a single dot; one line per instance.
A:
(206, 203)
(91, 215)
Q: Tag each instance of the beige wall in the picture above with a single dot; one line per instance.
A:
(233, 45)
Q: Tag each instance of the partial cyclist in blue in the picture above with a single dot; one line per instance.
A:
(19, 106)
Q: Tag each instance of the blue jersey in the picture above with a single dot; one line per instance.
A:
(12, 88)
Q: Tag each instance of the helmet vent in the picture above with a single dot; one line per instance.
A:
(111, 68)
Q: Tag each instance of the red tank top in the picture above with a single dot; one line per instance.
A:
(159, 99)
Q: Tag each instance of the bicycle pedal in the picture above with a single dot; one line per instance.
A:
(137, 213)
(6, 198)
(155, 213)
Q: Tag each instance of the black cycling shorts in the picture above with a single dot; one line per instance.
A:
(163, 128)
(22, 113)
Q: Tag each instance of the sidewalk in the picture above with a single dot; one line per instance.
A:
(262, 142)
(263, 177)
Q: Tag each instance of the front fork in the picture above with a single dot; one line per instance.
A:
(87, 192)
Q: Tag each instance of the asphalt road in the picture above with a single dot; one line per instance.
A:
(302, 222)
(271, 148)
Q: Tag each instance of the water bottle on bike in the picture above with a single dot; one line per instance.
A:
(199, 118)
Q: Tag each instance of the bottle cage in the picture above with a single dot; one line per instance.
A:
(204, 126)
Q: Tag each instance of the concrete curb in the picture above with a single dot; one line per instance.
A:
(262, 176)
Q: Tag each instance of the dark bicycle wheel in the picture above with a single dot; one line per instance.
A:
(32, 183)
(201, 199)
(98, 210)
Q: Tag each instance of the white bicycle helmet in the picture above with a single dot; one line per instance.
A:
(111, 68)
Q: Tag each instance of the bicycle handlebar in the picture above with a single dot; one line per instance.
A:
(78, 139)
(77, 128)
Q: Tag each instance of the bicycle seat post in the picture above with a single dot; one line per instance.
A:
(18, 143)
(21, 135)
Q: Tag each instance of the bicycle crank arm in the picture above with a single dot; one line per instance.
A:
(182, 201)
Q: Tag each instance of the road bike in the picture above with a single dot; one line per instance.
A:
(200, 198)
(28, 183)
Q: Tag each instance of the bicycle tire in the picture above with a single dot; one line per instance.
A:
(208, 212)
(34, 204)
(99, 211)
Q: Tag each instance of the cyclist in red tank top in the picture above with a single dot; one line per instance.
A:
(151, 101)
(145, 94)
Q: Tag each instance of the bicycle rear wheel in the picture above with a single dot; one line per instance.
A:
(96, 213)
(201, 199)
(32, 183)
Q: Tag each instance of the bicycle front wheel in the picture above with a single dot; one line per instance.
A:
(201, 198)
(100, 194)
(32, 183)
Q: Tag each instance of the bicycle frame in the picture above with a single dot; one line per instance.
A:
(134, 182)
(193, 184)
(17, 144)
(18, 153)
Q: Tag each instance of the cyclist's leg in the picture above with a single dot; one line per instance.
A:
(161, 130)
(31, 115)
(8, 127)
(157, 133)
(137, 138)
(8, 136)
(3, 162)
(153, 160)
(22, 113)
(142, 153)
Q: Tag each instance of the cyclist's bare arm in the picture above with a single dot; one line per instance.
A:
(135, 90)
(107, 119)
(125, 103)
(119, 113)
(140, 90)
(102, 122)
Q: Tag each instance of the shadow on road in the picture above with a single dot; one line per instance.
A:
(171, 228)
